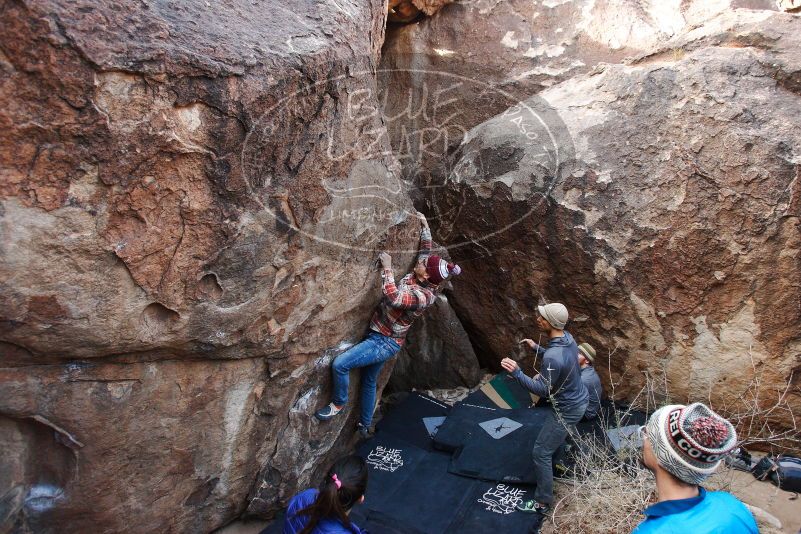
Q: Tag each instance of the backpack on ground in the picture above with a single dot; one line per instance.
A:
(784, 471)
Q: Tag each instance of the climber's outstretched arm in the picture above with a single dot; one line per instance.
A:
(425, 238)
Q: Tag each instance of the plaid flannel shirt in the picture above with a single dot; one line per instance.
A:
(404, 302)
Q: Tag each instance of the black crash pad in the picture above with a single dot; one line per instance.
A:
(415, 419)
(499, 444)
(455, 430)
(390, 461)
(428, 499)
(376, 522)
(411, 491)
(414, 489)
(492, 508)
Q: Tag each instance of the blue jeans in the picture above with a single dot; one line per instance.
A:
(370, 355)
(554, 430)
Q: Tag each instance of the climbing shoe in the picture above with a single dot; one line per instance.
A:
(364, 431)
(326, 413)
(533, 507)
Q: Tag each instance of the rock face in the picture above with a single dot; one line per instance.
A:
(660, 202)
(192, 197)
(475, 59)
(437, 353)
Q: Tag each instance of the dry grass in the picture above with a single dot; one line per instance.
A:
(606, 502)
(610, 492)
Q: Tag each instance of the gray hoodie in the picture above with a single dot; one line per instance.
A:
(560, 374)
(592, 382)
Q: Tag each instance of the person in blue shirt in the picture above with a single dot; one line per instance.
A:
(325, 510)
(682, 446)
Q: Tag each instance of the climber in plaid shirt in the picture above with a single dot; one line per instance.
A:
(400, 305)
(404, 302)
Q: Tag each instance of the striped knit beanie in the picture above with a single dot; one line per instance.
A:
(588, 351)
(439, 269)
(690, 441)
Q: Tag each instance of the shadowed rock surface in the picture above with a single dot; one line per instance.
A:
(192, 196)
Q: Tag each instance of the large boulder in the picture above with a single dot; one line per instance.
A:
(191, 200)
(446, 74)
(660, 201)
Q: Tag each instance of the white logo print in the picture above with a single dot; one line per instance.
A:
(385, 459)
(502, 499)
(498, 428)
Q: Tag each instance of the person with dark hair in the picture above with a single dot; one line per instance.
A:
(401, 304)
(325, 510)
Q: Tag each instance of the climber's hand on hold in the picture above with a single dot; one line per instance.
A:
(423, 219)
(509, 365)
(386, 260)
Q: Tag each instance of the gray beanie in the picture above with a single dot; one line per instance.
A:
(555, 313)
(690, 441)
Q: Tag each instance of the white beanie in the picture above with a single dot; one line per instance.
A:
(690, 441)
(555, 313)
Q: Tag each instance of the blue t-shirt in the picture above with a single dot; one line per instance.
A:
(714, 512)
(294, 522)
